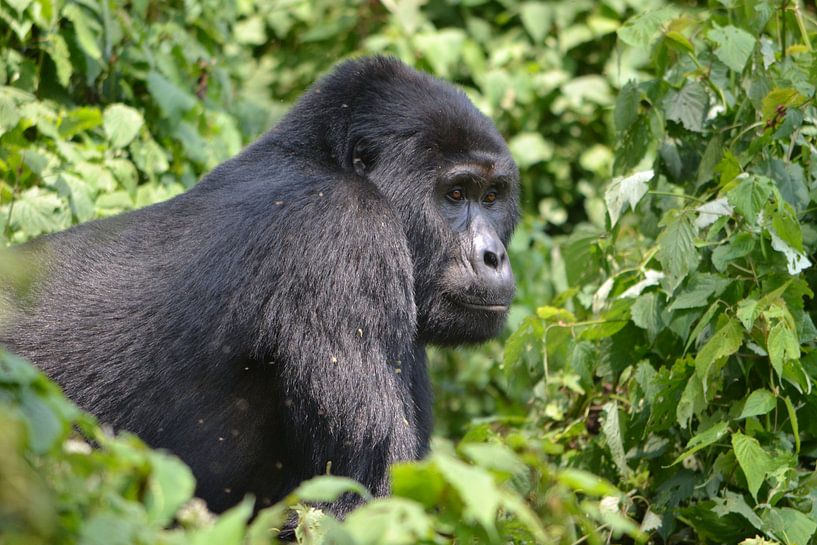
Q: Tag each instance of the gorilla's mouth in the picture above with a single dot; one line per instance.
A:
(480, 305)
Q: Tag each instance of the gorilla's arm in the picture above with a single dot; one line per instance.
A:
(343, 319)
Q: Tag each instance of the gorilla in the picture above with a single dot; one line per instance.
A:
(270, 324)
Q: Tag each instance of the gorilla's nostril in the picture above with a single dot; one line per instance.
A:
(491, 260)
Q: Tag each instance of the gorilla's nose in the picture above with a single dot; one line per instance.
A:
(490, 262)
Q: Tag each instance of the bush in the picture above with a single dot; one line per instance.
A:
(657, 383)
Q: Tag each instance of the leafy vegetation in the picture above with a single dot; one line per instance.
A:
(657, 383)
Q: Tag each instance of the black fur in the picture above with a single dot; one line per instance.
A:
(272, 320)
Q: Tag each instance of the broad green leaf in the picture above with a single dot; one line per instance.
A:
(86, 29)
(735, 46)
(44, 425)
(626, 109)
(754, 461)
(692, 402)
(586, 483)
(58, 51)
(786, 226)
(702, 440)
(759, 402)
(679, 41)
(229, 528)
(747, 312)
(36, 212)
(740, 246)
(676, 247)
(329, 488)
(646, 314)
(725, 342)
(794, 423)
(688, 106)
(173, 101)
(782, 345)
(122, 124)
(750, 196)
(9, 113)
(79, 120)
(639, 30)
(789, 525)
(611, 427)
(536, 18)
(735, 503)
(529, 148)
(495, 456)
(699, 289)
(778, 99)
(169, 485)
(624, 191)
(476, 489)
(390, 520)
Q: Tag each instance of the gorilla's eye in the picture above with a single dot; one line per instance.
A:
(455, 195)
(489, 198)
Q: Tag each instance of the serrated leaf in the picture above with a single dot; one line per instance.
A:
(698, 291)
(228, 529)
(169, 485)
(679, 41)
(709, 212)
(795, 261)
(782, 345)
(646, 314)
(702, 440)
(750, 196)
(734, 503)
(639, 30)
(759, 402)
(725, 342)
(688, 106)
(58, 52)
(753, 460)
(476, 489)
(735, 46)
(121, 124)
(789, 525)
(173, 101)
(691, 403)
(86, 30)
(676, 247)
(623, 191)
(778, 99)
(626, 109)
(740, 246)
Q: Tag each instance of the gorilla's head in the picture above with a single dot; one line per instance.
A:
(450, 178)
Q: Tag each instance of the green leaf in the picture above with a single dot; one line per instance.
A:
(750, 196)
(623, 191)
(646, 314)
(626, 109)
(639, 31)
(725, 342)
(795, 425)
(782, 345)
(44, 425)
(169, 485)
(699, 289)
(58, 52)
(778, 99)
(740, 246)
(786, 226)
(679, 41)
(754, 461)
(676, 247)
(86, 29)
(735, 503)
(747, 312)
(759, 402)
(702, 440)
(688, 106)
(229, 529)
(611, 427)
(586, 483)
(327, 488)
(390, 520)
(537, 18)
(173, 101)
(692, 402)
(790, 525)
(735, 46)
(529, 148)
(122, 124)
(475, 487)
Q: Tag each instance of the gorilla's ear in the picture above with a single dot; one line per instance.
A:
(362, 157)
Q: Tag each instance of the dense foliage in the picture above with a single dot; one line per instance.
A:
(657, 383)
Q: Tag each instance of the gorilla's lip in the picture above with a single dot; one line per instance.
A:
(480, 305)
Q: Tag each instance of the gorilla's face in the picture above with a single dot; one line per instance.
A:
(459, 213)
(464, 295)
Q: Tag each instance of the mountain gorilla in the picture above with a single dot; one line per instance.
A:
(270, 323)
